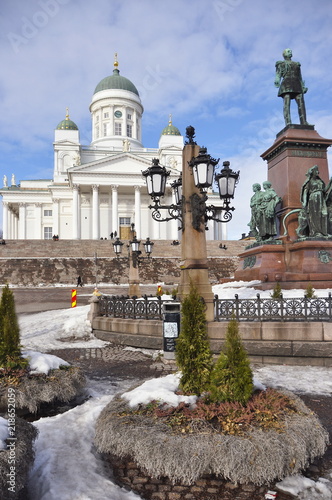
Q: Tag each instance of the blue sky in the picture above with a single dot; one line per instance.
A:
(211, 63)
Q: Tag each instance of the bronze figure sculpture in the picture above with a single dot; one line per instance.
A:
(291, 86)
(263, 205)
(313, 218)
(255, 203)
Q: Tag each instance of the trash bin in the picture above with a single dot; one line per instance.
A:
(171, 327)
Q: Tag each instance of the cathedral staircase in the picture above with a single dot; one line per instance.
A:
(36, 262)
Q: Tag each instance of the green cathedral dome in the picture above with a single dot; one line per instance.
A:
(116, 81)
(170, 129)
(67, 124)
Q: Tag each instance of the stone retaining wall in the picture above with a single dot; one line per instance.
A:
(272, 342)
(126, 473)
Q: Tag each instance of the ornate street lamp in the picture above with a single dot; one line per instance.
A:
(134, 244)
(134, 256)
(177, 190)
(227, 180)
(156, 177)
(148, 244)
(133, 249)
(203, 169)
(117, 246)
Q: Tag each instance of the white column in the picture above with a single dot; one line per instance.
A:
(135, 131)
(210, 232)
(76, 213)
(56, 217)
(174, 223)
(5, 219)
(224, 235)
(156, 229)
(109, 218)
(11, 225)
(111, 120)
(22, 222)
(95, 212)
(15, 226)
(115, 218)
(38, 221)
(138, 211)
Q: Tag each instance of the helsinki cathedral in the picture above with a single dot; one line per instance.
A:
(98, 189)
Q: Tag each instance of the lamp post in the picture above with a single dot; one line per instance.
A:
(134, 256)
(198, 173)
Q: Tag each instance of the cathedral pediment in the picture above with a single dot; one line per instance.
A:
(116, 163)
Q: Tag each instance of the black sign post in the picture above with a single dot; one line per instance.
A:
(171, 328)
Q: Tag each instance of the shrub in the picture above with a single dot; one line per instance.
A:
(10, 350)
(310, 292)
(231, 377)
(193, 353)
(277, 292)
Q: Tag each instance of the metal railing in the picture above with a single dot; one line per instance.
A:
(290, 309)
(255, 309)
(133, 308)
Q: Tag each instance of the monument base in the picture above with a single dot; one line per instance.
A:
(292, 264)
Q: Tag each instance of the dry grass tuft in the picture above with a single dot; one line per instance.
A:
(31, 391)
(25, 433)
(259, 456)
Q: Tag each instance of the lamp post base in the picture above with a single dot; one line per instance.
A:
(200, 279)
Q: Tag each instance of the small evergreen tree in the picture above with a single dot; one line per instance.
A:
(10, 351)
(277, 292)
(310, 292)
(193, 353)
(231, 377)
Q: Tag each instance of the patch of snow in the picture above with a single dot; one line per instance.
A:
(304, 488)
(4, 434)
(159, 389)
(43, 363)
(66, 466)
(51, 330)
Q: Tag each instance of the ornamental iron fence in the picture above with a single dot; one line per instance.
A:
(255, 309)
(131, 308)
(258, 309)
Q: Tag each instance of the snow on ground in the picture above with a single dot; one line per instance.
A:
(67, 465)
(161, 389)
(43, 363)
(4, 434)
(245, 290)
(46, 330)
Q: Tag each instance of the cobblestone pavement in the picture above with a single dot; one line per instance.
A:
(117, 363)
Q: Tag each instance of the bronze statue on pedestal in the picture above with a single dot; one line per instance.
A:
(291, 86)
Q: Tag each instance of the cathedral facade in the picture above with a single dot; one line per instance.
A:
(98, 191)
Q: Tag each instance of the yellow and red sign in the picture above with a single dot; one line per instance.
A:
(73, 298)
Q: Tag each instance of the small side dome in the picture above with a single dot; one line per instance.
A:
(170, 129)
(116, 81)
(67, 124)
